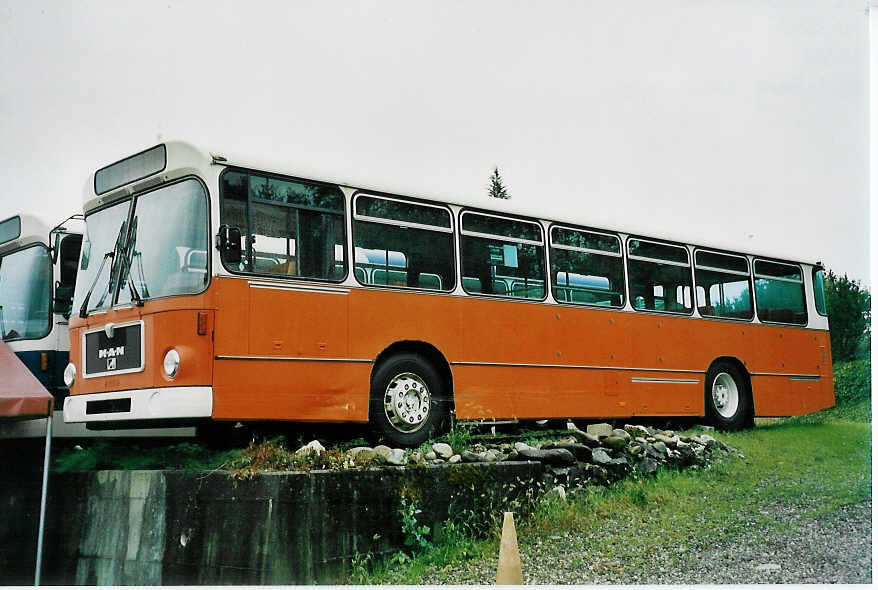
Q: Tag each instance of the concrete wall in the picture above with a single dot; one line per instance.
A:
(164, 527)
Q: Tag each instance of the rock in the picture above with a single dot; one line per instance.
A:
(706, 440)
(397, 457)
(768, 567)
(635, 450)
(671, 441)
(600, 457)
(383, 452)
(361, 455)
(443, 450)
(520, 446)
(621, 434)
(471, 457)
(430, 456)
(615, 442)
(558, 457)
(660, 447)
(438, 461)
(596, 474)
(312, 448)
(619, 465)
(647, 466)
(705, 427)
(493, 455)
(599, 430)
(636, 430)
(641, 440)
(418, 459)
(580, 451)
(454, 459)
(586, 438)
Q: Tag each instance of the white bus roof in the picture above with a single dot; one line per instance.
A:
(183, 157)
(34, 230)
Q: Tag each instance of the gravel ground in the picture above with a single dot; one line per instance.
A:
(835, 548)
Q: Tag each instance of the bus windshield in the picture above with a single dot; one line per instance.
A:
(25, 283)
(157, 250)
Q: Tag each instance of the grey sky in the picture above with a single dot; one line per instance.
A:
(734, 122)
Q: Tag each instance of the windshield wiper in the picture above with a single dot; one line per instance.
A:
(82, 312)
(135, 296)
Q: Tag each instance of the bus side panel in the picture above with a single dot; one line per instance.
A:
(381, 318)
(326, 391)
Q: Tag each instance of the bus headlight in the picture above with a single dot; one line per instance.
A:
(69, 374)
(171, 363)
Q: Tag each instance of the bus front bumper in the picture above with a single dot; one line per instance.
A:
(155, 403)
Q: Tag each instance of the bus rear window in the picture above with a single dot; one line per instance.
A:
(819, 292)
(780, 293)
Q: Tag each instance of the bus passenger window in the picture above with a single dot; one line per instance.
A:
(502, 256)
(586, 267)
(399, 243)
(722, 282)
(780, 292)
(660, 275)
(293, 228)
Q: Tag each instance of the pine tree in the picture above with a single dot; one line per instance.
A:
(496, 188)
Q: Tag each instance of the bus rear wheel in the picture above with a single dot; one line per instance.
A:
(406, 402)
(728, 402)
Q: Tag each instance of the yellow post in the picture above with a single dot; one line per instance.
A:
(509, 564)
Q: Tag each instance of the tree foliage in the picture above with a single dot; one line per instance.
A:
(849, 305)
(496, 188)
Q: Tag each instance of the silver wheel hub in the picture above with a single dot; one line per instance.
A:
(725, 395)
(407, 402)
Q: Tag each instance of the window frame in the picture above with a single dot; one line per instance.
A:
(771, 278)
(51, 318)
(629, 257)
(542, 244)
(398, 223)
(245, 235)
(748, 274)
(621, 255)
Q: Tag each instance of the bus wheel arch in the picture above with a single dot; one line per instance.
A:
(728, 394)
(398, 372)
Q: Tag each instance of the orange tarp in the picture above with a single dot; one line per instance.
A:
(21, 394)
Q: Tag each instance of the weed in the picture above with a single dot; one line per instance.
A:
(415, 534)
(361, 568)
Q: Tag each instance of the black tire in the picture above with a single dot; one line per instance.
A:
(398, 410)
(728, 399)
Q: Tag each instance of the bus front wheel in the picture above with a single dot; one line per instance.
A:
(406, 401)
(728, 402)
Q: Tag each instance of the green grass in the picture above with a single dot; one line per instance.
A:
(814, 463)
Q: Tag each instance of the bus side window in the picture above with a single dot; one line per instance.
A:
(400, 243)
(68, 258)
(294, 228)
(587, 267)
(504, 256)
(660, 275)
(780, 292)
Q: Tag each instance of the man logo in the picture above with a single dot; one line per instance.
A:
(106, 353)
(111, 364)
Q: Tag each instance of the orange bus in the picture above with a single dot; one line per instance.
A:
(211, 288)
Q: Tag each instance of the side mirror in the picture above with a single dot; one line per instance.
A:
(228, 241)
